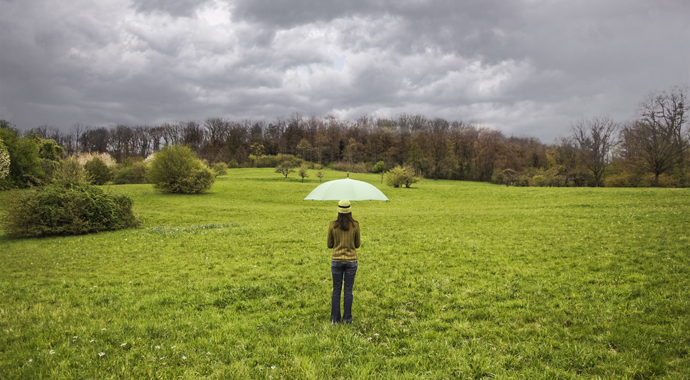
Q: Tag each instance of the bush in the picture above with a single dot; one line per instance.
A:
(70, 172)
(175, 169)
(83, 158)
(398, 176)
(25, 164)
(66, 209)
(346, 167)
(98, 170)
(269, 161)
(221, 168)
(618, 180)
(538, 180)
(4, 161)
(130, 171)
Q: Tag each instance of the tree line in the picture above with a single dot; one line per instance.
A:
(651, 150)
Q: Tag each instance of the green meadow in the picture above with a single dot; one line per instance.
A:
(456, 280)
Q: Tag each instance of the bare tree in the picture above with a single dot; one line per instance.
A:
(658, 134)
(595, 139)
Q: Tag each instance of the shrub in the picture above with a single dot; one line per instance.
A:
(66, 209)
(618, 180)
(98, 170)
(665, 180)
(130, 171)
(175, 169)
(399, 176)
(25, 164)
(83, 158)
(70, 172)
(269, 161)
(4, 161)
(538, 180)
(221, 168)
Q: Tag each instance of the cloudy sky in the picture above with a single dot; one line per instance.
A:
(525, 67)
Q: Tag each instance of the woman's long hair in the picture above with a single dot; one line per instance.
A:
(344, 221)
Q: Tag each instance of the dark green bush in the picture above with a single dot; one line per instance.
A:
(66, 209)
(98, 170)
(130, 171)
(25, 164)
(176, 169)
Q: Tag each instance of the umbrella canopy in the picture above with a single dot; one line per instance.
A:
(346, 189)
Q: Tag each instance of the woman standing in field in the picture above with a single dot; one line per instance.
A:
(343, 237)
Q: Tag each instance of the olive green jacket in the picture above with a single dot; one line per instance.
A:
(344, 243)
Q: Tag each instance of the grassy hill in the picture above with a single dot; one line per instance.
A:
(455, 280)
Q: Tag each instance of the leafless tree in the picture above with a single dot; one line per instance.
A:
(657, 136)
(95, 140)
(595, 138)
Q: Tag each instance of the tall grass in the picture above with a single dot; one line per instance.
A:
(456, 280)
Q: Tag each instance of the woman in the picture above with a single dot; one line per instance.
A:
(343, 237)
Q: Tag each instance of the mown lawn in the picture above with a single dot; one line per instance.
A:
(456, 280)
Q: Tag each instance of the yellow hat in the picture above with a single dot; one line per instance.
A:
(344, 207)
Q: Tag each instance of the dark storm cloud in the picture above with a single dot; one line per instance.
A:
(526, 67)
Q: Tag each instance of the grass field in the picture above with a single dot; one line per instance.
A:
(455, 280)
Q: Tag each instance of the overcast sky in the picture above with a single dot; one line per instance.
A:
(525, 67)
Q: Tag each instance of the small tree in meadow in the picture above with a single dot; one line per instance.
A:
(285, 168)
(319, 174)
(303, 171)
(176, 169)
(379, 167)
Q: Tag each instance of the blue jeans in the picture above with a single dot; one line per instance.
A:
(340, 270)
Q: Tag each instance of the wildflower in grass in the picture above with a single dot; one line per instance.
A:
(173, 346)
(75, 337)
(208, 353)
(101, 353)
(273, 367)
(158, 347)
(30, 360)
(123, 344)
(184, 358)
(103, 329)
(92, 340)
(51, 352)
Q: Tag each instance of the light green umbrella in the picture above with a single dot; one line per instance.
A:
(346, 189)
